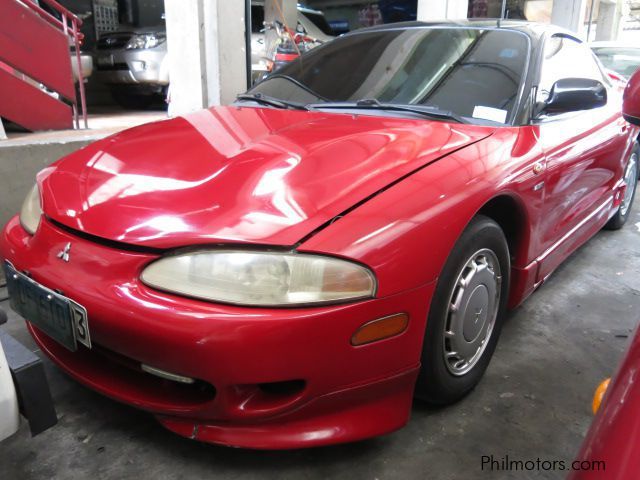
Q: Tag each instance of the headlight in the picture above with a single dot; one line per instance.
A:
(260, 278)
(145, 40)
(31, 211)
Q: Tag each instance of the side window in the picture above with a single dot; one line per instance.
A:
(566, 58)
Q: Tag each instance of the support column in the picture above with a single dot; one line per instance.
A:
(206, 53)
(442, 9)
(609, 20)
(569, 14)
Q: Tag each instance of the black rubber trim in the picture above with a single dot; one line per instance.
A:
(105, 242)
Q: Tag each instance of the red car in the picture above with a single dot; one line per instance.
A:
(291, 270)
(611, 443)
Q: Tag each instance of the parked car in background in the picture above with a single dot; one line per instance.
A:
(398, 10)
(622, 58)
(86, 65)
(311, 24)
(24, 390)
(291, 270)
(611, 441)
(9, 410)
(133, 62)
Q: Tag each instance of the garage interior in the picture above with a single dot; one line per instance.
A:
(535, 398)
(534, 401)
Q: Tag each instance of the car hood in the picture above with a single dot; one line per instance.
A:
(238, 174)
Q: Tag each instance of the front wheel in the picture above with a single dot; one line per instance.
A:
(631, 180)
(466, 314)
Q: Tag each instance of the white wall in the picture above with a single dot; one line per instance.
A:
(207, 55)
(442, 9)
(569, 14)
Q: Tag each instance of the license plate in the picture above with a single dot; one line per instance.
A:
(56, 315)
(106, 61)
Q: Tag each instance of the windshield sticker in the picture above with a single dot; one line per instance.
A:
(489, 113)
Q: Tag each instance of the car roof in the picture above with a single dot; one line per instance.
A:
(532, 29)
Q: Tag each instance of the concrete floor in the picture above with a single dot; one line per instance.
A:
(533, 402)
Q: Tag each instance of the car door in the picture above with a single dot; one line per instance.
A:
(583, 151)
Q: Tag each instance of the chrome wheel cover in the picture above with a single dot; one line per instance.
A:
(631, 179)
(472, 313)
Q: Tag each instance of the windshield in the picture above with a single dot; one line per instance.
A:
(472, 73)
(624, 61)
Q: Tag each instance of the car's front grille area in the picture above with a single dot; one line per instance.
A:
(115, 66)
(113, 41)
(111, 372)
(197, 390)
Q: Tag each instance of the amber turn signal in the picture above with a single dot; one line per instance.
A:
(597, 397)
(380, 329)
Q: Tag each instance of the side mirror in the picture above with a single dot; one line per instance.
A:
(631, 104)
(573, 94)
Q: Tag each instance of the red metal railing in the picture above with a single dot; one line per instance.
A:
(76, 36)
(31, 46)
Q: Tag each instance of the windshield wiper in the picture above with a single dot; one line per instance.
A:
(373, 104)
(297, 83)
(271, 101)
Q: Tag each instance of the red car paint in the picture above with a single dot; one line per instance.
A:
(611, 443)
(276, 200)
(391, 193)
(631, 106)
(611, 449)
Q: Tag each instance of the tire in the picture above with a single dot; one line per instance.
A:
(445, 380)
(132, 100)
(631, 178)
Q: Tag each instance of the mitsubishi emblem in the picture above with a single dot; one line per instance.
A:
(64, 254)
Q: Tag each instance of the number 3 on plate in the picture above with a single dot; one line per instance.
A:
(82, 325)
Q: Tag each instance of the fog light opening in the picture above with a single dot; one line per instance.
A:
(380, 329)
(166, 375)
(282, 389)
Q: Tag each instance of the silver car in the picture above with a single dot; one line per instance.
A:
(134, 64)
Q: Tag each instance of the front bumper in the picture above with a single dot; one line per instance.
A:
(133, 67)
(267, 378)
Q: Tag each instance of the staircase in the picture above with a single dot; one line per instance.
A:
(37, 89)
